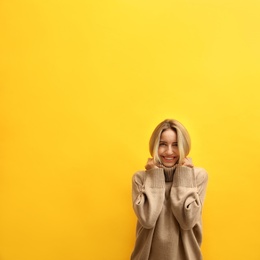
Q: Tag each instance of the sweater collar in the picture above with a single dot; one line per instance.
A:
(168, 173)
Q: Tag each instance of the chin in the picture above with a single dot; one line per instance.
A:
(169, 165)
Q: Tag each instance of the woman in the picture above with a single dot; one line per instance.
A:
(168, 198)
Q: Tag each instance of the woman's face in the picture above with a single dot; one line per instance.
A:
(168, 148)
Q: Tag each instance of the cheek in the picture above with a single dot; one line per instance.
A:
(160, 151)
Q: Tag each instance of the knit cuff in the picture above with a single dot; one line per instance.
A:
(184, 177)
(155, 178)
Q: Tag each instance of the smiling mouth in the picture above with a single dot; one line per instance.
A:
(169, 158)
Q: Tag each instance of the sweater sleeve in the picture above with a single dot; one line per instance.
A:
(187, 195)
(148, 192)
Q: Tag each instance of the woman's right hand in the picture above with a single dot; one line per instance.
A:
(150, 164)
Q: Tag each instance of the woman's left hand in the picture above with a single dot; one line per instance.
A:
(187, 162)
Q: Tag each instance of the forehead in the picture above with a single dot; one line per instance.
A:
(168, 135)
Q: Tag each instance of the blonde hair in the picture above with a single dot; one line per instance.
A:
(183, 139)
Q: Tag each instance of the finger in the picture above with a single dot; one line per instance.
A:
(187, 162)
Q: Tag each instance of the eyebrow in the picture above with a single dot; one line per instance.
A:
(161, 141)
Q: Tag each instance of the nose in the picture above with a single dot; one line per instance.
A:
(169, 150)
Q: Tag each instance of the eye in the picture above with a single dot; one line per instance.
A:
(162, 144)
(175, 144)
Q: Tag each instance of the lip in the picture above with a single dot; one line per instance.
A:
(168, 159)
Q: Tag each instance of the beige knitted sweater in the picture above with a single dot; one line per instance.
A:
(168, 205)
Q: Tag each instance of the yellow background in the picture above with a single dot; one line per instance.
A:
(84, 83)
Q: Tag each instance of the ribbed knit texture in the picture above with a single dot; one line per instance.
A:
(168, 173)
(168, 205)
(184, 177)
(155, 178)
